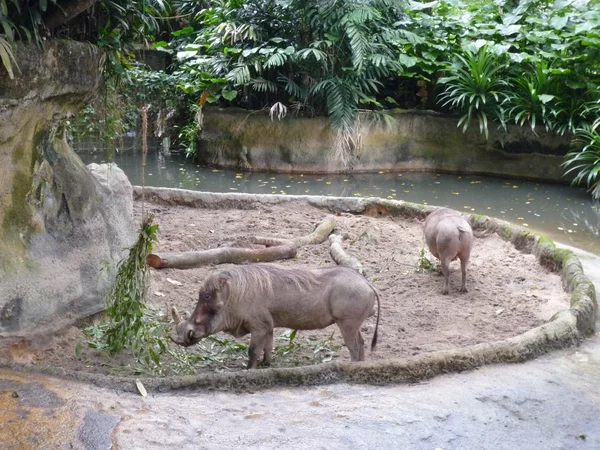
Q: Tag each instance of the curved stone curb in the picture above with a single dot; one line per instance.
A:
(566, 327)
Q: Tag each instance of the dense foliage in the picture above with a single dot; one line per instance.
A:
(114, 25)
(533, 63)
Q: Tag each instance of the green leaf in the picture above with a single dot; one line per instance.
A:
(183, 31)
(407, 61)
(229, 95)
(558, 22)
(545, 98)
(186, 54)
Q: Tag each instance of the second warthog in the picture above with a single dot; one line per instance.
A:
(449, 236)
(259, 297)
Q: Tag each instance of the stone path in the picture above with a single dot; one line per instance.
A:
(552, 402)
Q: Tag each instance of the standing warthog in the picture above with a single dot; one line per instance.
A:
(259, 297)
(449, 236)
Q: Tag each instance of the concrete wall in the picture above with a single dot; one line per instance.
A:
(59, 226)
(420, 141)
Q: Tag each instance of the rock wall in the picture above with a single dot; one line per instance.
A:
(59, 225)
(420, 141)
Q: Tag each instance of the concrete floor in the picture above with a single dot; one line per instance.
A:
(552, 402)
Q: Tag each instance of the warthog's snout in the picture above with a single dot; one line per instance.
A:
(185, 332)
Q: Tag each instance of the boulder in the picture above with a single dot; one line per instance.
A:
(63, 228)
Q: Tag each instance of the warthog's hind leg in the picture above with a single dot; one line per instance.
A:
(353, 340)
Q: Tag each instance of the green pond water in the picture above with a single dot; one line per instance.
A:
(567, 214)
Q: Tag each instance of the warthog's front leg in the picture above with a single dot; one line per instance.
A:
(257, 345)
(268, 348)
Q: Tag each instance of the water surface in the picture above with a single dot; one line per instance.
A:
(567, 214)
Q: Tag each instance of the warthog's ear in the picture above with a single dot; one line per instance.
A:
(221, 282)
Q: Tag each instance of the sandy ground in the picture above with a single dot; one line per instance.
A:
(509, 292)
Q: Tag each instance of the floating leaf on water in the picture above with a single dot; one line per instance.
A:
(399, 174)
(515, 187)
(467, 207)
(346, 181)
(393, 190)
(141, 388)
(174, 282)
(525, 224)
(381, 171)
(215, 170)
(519, 218)
(328, 182)
(454, 193)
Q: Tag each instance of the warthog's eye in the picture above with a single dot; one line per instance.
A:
(191, 335)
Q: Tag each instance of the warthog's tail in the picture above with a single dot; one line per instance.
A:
(374, 340)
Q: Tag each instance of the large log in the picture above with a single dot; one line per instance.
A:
(232, 255)
(341, 257)
(275, 249)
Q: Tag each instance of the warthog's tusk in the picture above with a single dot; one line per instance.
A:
(175, 314)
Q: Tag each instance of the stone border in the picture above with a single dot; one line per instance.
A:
(565, 328)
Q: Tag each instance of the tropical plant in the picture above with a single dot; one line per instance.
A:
(128, 324)
(476, 88)
(584, 159)
(533, 97)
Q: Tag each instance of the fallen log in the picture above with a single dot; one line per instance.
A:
(318, 235)
(276, 249)
(341, 257)
(232, 255)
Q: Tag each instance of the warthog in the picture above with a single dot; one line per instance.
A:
(449, 236)
(259, 297)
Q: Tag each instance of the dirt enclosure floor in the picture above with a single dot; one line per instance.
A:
(509, 292)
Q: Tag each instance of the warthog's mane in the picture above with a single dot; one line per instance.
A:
(257, 280)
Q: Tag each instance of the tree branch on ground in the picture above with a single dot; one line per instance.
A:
(275, 249)
(341, 257)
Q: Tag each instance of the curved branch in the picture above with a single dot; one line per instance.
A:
(340, 256)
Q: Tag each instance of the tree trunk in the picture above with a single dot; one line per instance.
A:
(340, 256)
